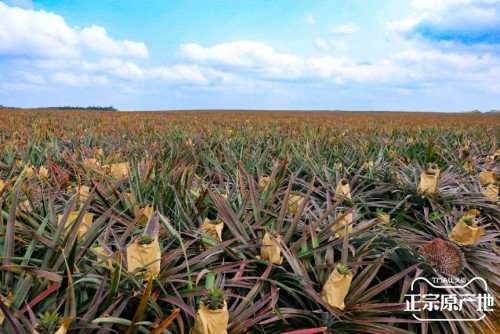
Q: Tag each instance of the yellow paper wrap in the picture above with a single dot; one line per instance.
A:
(143, 213)
(82, 193)
(91, 163)
(25, 206)
(119, 170)
(368, 164)
(147, 256)
(493, 157)
(10, 298)
(336, 288)
(214, 229)
(101, 254)
(294, 204)
(29, 171)
(491, 193)
(487, 177)
(342, 223)
(465, 235)
(471, 213)
(98, 151)
(85, 224)
(270, 250)
(264, 181)
(43, 172)
(428, 182)
(342, 190)
(384, 219)
(210, 321)
(468, 166)
(130, 198)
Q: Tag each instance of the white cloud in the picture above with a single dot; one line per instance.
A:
(190, 74)
(348, 28)
(35, 33)
(243, 54)
(71, 79)
(337, 45)
(451, 24)
(116, 67)
(258, 60)
(179, 74)
(409, 69)
(31, 78)
(397, 27)
(96, 38)
(31, 33)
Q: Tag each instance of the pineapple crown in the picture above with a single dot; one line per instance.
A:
(48, 323)
(430, 168)
(469, 221)
(214, 299)
(343, 269)
(4, 290)
(145, 239)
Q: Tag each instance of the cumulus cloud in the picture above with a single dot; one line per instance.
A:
(189, 74)
(259, 60)
(116, 67)
(410, 68)
(452, 22)
(29, 33)
(43, 48)
(242, 54)
(31, 78)
(25, 32)
(97, 39)
(71, 79)
(338, 45)
(348, 28)
(179, 74)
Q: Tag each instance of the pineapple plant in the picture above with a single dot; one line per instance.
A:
(317, 163)
(48, 323)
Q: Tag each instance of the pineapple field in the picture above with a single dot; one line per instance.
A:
(208, 222)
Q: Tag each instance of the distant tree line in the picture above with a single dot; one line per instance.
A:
(110, 108)
(494, 111)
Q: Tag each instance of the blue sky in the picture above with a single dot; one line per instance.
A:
(422, 55)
